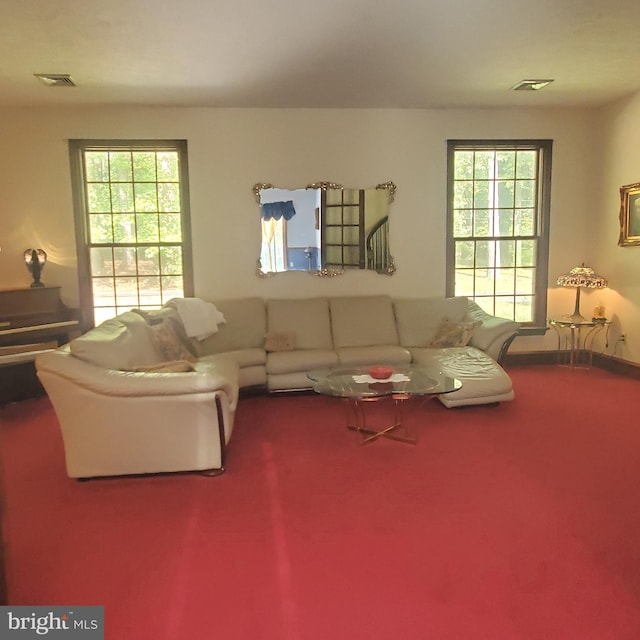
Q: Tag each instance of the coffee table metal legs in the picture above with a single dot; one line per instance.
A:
(357, 419)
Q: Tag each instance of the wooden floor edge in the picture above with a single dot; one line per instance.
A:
(600, 360)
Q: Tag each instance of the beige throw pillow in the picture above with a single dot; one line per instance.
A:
(453, 334)
(280, 341)
(167, 342)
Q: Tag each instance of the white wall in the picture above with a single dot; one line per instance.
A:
(231, 150)
(619, 165)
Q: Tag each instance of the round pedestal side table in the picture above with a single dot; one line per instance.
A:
(575, 339)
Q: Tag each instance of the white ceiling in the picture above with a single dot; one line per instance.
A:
(325, 53)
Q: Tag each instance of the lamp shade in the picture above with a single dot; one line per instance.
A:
(582, 277)
(578, 278)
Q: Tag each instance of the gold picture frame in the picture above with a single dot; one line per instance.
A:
(629, 215)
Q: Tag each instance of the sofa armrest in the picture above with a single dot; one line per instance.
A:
(206, 378)
(494, 335)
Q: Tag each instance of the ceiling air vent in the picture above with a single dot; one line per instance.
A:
(532, 85)
(55, 79)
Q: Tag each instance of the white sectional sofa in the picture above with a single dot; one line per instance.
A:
(136, 395)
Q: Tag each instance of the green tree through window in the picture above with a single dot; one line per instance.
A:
(498, 212)
(131, 202)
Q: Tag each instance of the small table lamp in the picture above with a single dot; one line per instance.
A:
(35, 260)
(580, 277)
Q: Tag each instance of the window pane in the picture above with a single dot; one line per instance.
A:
(98, 198)
(526, 253)
(505, 222)
(484, 165)
(484, 254)
(482, 224)
(505, 307)
(103, 292)
(524, 309)
(146, 197)
(171, 260)
(148, 227)
(506, 161)
(124, 227)
(101, 261)
(462, 223)
(464, 282)
(484, 281)
(144, 166)
(524, 222)
(127, 292)
(506, 253)
(505, 194)
(171, 288)
(148, 261)
(100, 229)
(527, 161)
(169, 197)
(505, 279)
(170, 227)
(525, 281)
(465, 254)
(150, 291)
(463, 195)
(97, 166)
(125, 261)
(168, 167)
(120, 166)
(122, 197)
(463, 168)
(525, 193)
(481, 195)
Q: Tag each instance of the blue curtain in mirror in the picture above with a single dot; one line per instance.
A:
(277, 210)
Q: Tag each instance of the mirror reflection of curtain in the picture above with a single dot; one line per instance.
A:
(273, 254)
(278, 210)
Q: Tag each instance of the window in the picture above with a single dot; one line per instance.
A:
(132, 224)
(273, 253)
(497, 230)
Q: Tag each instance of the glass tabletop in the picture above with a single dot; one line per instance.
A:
(355, 382)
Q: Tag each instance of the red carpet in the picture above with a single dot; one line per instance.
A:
(519, 522)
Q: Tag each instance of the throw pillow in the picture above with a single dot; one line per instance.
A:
(284, 341)
(174, 366)
(167, 342)
(454, 334)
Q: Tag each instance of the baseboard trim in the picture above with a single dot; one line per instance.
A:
(600, 360)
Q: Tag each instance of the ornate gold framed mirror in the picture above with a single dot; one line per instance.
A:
(324, 229)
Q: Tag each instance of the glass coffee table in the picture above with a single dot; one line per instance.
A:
(358, 388)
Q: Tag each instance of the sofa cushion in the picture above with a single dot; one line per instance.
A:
(123, 342)
(362, 321)
(483, 380)
(300, 361)
(245, 327)
(419, 319)
(381, 354)
(307, 318)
